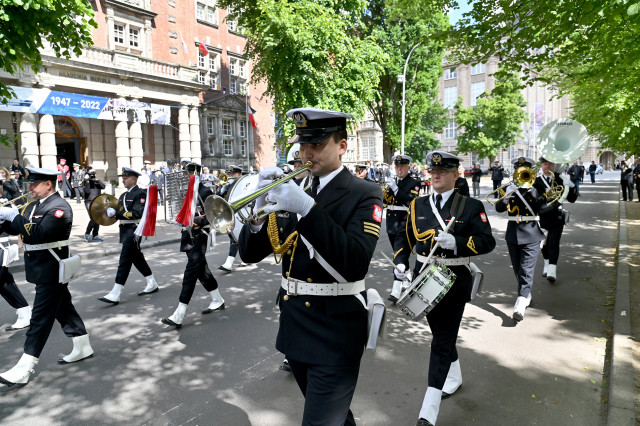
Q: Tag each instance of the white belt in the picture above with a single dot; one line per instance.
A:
(454, 261)
(523, 218)
(398, 208)
(129, 221)
(45, 246)
(299, 288)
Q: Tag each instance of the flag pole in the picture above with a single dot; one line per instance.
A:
(246, 112)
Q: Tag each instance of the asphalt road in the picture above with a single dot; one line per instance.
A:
(222, 368)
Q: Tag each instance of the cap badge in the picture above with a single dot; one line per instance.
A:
(436, 158)
(124, 170)
(300, 119)
(399, 158)
(296, 155)
(521, 160)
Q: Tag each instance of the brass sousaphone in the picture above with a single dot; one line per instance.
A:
(98, 209)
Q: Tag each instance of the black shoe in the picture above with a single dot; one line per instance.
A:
(144, 293)
(392, 299)
(208, 311)
(222, 268)
(285, 366)
(446, 395)
(423, 422)
(61, 361)
(517, 317)
(169, 322)
(105, 300)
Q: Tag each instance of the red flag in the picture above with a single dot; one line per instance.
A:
(188, 211)
(250, 116)
(147, 225)
(203, 48)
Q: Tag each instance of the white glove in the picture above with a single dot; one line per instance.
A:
(111, 212)
(265, 178)
(447, 241)
(509, 191)
(289, 197)
(566, 180)
(392, 184)
(8, 213)
(399, 272)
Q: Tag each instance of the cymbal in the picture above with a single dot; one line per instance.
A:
(98, 209)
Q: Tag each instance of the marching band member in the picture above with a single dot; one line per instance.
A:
(194, 242)
(8, 288)
(335, 226)
(233, 172)
(45, 226)
(523, 235)
(132, 201)
(552, 218)
(469, 236)
(399, 193)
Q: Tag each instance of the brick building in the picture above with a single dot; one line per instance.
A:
(145, 90)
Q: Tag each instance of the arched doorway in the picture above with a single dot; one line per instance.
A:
(69, 144)
(607, 159)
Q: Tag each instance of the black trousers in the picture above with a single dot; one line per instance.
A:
(497, 184)
(233, 247)
(92, 227)
(593, 177)
(523, 261)
(328, 391)
(78, 197)
(52, 302)
(627, 190)
(10, 291)
(131, 255)
(551, 247)
(197, 269)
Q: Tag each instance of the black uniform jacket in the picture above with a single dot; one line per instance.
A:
(471, 230)
(92, 188)
(343, 227)
(408, 190)
(636, 172)
(524, 232)
(51, 221)
(134, 200)
(195, 235)
(551, 215)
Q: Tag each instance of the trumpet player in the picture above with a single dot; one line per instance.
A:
(233, 172)
(132, 202)
(398, 194)
(553, 216)
(523, 234)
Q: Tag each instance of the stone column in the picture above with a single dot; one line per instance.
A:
(122, 146)
(135, 140)
(194, 127)
(48, 148)
(29, 141)
(184, 137)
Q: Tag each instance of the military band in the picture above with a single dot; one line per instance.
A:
(9, 289)
(233, 173)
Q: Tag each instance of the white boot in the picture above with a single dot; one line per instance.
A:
(217, 302)
(431, 405)
(81, 349)
(24, 318)
(396, 291)
(520, 307)
(546, 268)
(177, 317)
(551, 273)
(228, 265)
(114, 296)
(20, 373)
(454, 380)
(152, 286)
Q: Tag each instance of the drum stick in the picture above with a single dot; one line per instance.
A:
(436, 245)
(388, 258)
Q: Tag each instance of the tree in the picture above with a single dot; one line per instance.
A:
(310, 53)
(495, 122)
(26, 24)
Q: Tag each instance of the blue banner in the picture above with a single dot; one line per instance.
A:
(73, 105)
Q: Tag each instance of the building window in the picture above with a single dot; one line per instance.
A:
(451, 131)
(450, 73)
(243, 129)
(134, 35)
(450, 96)
(227, 128)
(368, 148)
(237, 75)
(477, 89)
(127, 36)
(227, 147)
(118, 33)
(243, 148)
(209, 68)
(211, 126)
(207, 11)
(477, 69)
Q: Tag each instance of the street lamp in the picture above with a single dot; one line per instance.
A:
(402, 78)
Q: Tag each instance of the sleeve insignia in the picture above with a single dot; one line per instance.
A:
(377, 213)
(483, 217)
(59, 213)
(417, 189)
(471, 245)
(372, 228)
(142, 200)
(127, 215)
(28, 226)
(396, 253)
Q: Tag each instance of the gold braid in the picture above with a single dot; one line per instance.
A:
(274, 238)
(424, 236)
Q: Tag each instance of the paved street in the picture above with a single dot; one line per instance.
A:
(222, 368)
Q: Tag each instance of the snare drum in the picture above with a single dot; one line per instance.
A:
(426, 290)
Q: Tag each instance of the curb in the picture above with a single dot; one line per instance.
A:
(621, 409)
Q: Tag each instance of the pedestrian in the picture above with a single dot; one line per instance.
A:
(476, 174)
(574, 175)
(581, 172)
(77, 179)
(15, 166)
(469, 236)
(553, 216)
(399, 193)
(523, 235)
(206, 175)
(91, 188)
(592, 171)
(8, 288)
(233, 174)
(159, 180)
(323, 326)
(63, 178)
(636, 178)
(626, 181)
(45, 226)
(497, 174)
(461, 185)
(11, 186)
(129, 215)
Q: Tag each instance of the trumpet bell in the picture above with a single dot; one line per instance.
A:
(563, 141)
(524, 177)
(220, 214)
(98, 209)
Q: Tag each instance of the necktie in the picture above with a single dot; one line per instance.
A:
(438, 200)
(315, 183)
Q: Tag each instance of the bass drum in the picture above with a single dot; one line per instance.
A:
(241, 188)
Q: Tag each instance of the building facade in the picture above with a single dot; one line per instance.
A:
(165, 80)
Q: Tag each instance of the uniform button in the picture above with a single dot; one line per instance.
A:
(281, 230)
(309, 280)
(287, 274)
(289, 252)
(307, 304)
(285, 297)
(424, 254)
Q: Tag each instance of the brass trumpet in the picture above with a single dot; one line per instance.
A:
(523, 177)
(19, 206)
(221, 214)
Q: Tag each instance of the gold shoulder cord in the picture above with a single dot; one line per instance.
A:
(25, 207)
(424, 236)
(292, 239)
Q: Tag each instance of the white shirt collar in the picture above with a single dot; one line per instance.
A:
(129, 190)
(445, 197)
(324, 180)
(42, 200)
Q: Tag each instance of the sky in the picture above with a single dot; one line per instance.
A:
(456, 14)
